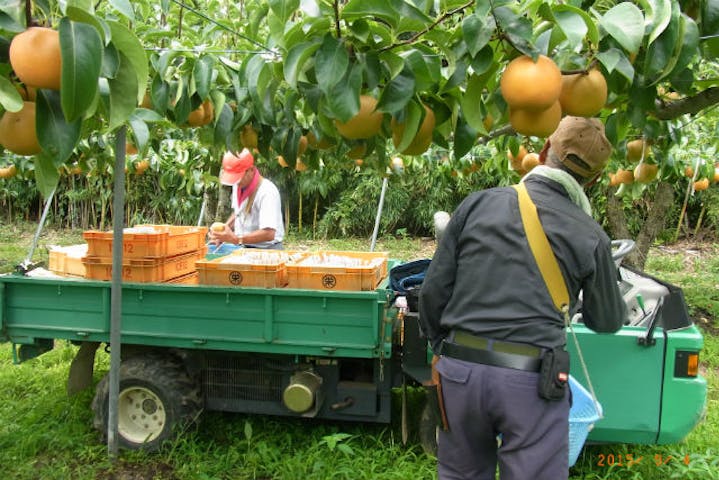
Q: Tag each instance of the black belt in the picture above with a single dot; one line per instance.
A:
(489, 357)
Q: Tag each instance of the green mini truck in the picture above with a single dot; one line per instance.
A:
(327, 354)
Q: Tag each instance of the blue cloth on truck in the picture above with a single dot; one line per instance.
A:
(407, 275)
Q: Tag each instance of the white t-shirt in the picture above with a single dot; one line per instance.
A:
(266, 212)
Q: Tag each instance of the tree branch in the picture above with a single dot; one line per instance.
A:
(505, 130)
(439, 20)
(693, 104)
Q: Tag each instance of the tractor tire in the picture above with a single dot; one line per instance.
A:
(157, 400)
(428, 431)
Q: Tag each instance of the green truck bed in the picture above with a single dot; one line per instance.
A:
(282, 321)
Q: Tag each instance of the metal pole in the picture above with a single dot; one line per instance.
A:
(28, 261)
(379, 213)
(202, 209)
(118, 215)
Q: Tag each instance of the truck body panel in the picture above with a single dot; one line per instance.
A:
(279, 321)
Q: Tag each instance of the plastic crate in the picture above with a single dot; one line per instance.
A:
(67, 261)
(143, 241)
(246, 267)
(582, 417)
(144, 270)
(189, 279)
(338, 270)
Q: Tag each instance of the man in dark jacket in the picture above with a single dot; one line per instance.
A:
(484, 292)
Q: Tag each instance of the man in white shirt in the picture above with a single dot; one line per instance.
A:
(256, 221)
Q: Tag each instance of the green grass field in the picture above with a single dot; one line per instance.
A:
(44, 434)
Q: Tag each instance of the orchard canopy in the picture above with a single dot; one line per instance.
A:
(307, 82)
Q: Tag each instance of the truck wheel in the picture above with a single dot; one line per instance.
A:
(157, 398)
(428, 432)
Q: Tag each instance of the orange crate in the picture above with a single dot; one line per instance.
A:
(144, 241)
(67, 261)
(144, 270)
(246, 268)
(188, 279)
(338, 270)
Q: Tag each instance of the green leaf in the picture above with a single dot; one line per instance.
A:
(615, 59)
(56, 135)
(223, 126)
(309, 30)
(343, 100)
(147, 116)
(81, 62)
(331, 62)
(573, 27)
(125, 8)
(127, 43)
(397, 93)
(710, 18)
(110, 62)
(457, 78)
(425, 67)
(160, 95)
(248, 431)
(122, 93)
(625, 23)
(218, 101)
(592, 32)
(471, 103)
(484, 61)
(361, 30)
(346, 449)
(658, 14)
(284, 8)
(12, 16)
(372, 70)
(46, 174)
(140, 131)
(86, 5)
(362, 9)
(9, 96)
(411, 19)
(202, 74)
(464, 138)
(411, 118)
(475, 33)
(258, 77)
(518, 29)
(394, 64)
(296, 59)
(80, 15)
(663, 54)
(689, 45)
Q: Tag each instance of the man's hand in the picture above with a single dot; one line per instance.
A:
(221, 233)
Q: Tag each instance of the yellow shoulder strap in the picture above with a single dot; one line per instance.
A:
(542, 251)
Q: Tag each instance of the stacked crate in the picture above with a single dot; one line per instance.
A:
(150, 253)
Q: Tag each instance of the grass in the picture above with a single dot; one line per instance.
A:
(45, 434)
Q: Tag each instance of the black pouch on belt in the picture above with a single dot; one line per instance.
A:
(554, 374)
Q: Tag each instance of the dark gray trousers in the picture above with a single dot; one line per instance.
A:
(484, 401)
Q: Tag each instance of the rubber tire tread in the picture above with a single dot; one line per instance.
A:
(168, 379)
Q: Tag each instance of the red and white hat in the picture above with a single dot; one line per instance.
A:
(234, 166)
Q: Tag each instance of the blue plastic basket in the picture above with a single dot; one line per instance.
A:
(582, 417)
